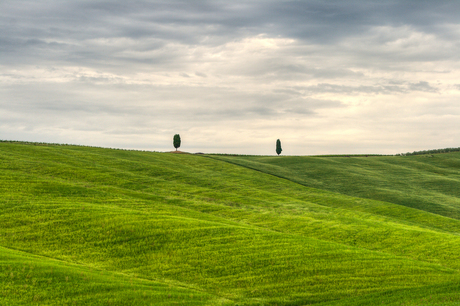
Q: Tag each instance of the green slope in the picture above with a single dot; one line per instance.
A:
(33, 280)
(196, 229)
(426, 182)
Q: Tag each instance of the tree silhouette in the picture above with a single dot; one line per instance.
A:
(176, 141)
(278, 147)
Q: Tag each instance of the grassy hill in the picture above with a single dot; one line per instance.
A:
(81, 225)
(427, 182)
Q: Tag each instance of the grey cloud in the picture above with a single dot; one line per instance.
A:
(225, 114)
(384, 89)
(300, 110)
(422, 86)
(286, 70)
(54, 30)
(190, 22)
(94, 66)
(277, 106)
(187, 104)
(330, 20)
(200, 74)
(344, 89)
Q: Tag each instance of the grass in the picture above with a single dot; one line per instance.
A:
(35, 280)
(149, 228)
(425, 182)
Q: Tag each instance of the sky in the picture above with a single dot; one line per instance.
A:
(324, 77)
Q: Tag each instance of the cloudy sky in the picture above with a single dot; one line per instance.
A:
(232, 76)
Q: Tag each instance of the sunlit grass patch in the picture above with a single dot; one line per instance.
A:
(33, 280)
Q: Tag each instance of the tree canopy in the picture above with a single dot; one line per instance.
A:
(278, 147)
(176, 141)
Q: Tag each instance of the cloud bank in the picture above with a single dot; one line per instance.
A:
(232, 77)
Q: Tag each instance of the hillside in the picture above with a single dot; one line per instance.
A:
(82, 225)
(425, 182)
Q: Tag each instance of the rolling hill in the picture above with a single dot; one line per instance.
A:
(93, 226)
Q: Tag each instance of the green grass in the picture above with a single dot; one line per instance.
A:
(114, 227)
(33, 280)
(425, 182)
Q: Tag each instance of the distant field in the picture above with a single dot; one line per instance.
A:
(427, 182)
(92, 226)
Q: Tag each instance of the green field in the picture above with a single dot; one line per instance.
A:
(92, 226)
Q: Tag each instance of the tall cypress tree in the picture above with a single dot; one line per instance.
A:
(278, 147)
(176, 141)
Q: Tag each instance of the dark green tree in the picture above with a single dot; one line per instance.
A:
(176, 141)
(278, 147)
